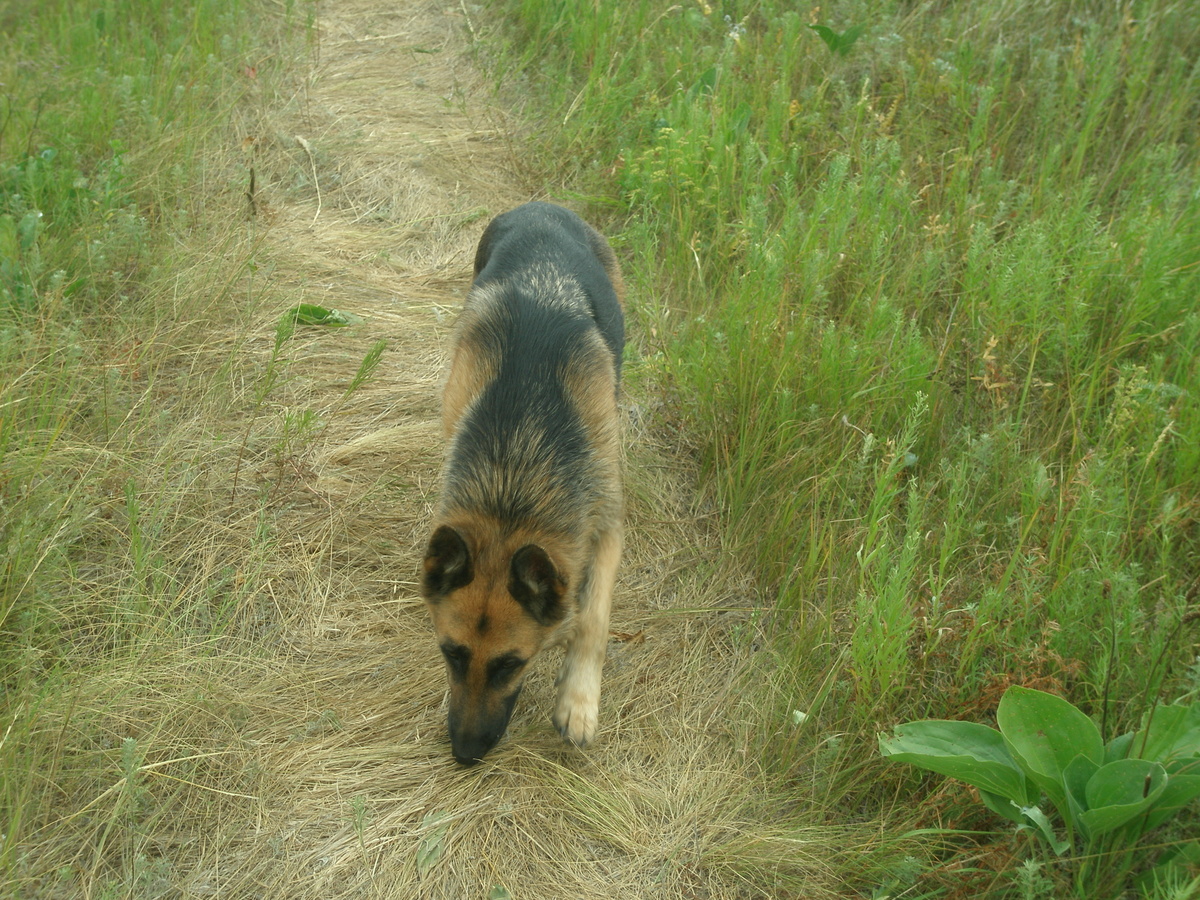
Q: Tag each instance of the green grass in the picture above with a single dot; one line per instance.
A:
(927, 310)
(122, 242)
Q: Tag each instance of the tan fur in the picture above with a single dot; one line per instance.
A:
(591, 392)
(608, 260)
(471, 370)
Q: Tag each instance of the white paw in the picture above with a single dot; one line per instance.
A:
(577, 715)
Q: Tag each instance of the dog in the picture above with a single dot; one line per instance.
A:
(527, 535)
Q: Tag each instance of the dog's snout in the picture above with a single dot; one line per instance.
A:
(475, 731)
(470, 749)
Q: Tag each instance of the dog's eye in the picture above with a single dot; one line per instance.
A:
(458, 658)
(501, 670)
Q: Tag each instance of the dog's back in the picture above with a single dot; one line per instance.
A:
(530, 402)
(543, 240)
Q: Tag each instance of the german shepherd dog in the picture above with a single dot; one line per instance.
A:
(527, 536)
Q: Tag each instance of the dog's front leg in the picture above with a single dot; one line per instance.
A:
(577, 711)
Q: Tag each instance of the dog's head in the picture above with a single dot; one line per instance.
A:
(493, 609)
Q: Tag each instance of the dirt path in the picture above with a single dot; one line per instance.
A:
(348, 788)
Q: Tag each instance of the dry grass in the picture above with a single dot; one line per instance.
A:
(300, 752)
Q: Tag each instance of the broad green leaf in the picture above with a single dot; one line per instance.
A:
(1172, 731)
(967, 751)
(838, 43)
(1039, 819)
(1002, 806)
(1179, 792)
(848, 37)
(28, 229)
(740, 119)
(1185, 766)
(1120, 791)
(1119, 747)
(1044, 733)
(499, 892)
(828, 35)
(705, 84)
(312, 314)
(1076, 776)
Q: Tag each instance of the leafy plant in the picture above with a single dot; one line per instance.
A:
(1108, 795)
(433, 844)
(314, 314)
(838, 43)
(20, 259)
(359, 813)
(366, 368)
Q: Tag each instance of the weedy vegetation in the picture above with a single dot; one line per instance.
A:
(920, 281)
(126, 260)
(1108, 795)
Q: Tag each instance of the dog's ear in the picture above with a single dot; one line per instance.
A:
(536, 585)
(447, 564)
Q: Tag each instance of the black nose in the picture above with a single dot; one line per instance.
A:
(472, 737)
(470, 749)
